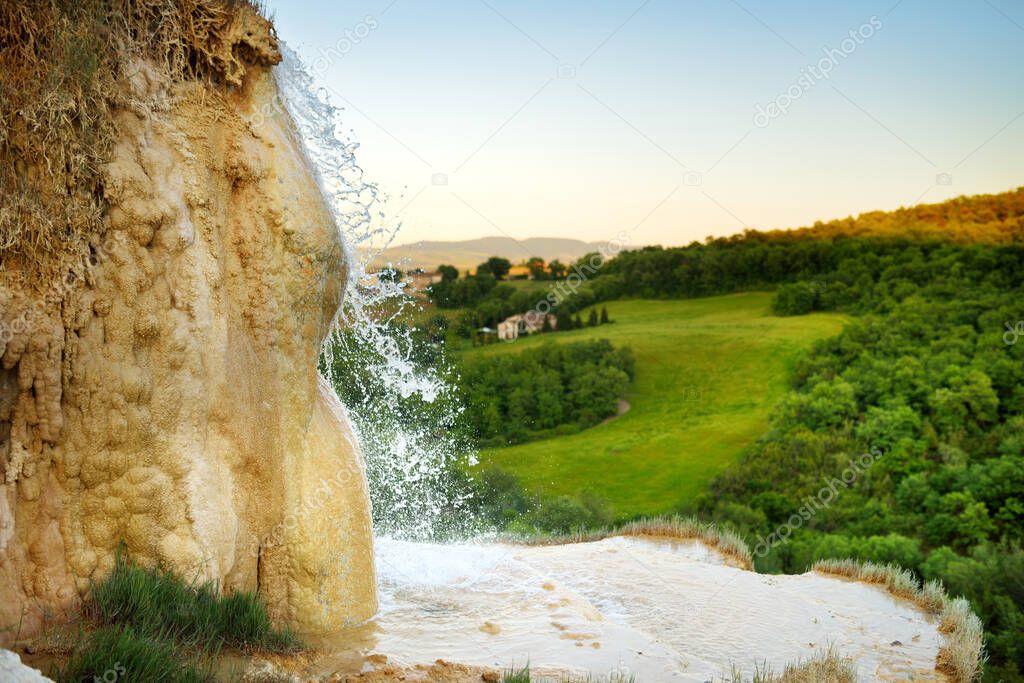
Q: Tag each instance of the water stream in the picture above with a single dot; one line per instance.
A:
(402, 409)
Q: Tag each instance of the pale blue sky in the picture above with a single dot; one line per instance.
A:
(650, 126)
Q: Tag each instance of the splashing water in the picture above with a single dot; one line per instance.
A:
(403, 410)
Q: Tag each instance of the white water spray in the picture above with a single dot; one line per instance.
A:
(403, 411)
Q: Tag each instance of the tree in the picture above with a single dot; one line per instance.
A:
(563, 321)
(496, 266)
(436, 328)
(389, 274)
(592, 318)
(557, 269)
(536, 266)
(546, 327)
(577, 323)
(604, 316)
(795, 299)
(448, 273)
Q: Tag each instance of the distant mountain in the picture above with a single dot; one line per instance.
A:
(465, 254)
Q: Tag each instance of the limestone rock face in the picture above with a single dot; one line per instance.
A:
(164, 395)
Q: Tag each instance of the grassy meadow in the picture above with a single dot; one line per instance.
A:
(708, 372)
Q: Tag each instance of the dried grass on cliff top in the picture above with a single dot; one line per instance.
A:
(725, 541)
(962, 653)
(60, 64)
(827, 666)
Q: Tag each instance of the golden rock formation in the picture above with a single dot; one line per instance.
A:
(164, 393)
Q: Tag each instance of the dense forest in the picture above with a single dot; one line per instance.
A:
(555, 389)
(903, 440)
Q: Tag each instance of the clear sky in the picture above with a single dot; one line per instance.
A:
(669, 120)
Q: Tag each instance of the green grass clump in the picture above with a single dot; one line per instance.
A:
(523, 675)
(517, 675)
(156, 627)
(121, 652)
(827, 666)
(708, 374)
(157, 603)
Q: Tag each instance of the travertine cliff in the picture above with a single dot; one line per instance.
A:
(164, 393)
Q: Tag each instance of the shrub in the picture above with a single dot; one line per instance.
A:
(796, 299)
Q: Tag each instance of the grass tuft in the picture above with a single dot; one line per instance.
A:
(523, 675)
(157, 603)
(825, 667)
(121, 653)
(156, 627)
(517, 675)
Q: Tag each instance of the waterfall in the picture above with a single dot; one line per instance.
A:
(404, 410)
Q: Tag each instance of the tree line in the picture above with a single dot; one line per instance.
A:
(511, 398)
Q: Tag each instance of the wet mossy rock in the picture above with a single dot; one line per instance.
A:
(160, 235)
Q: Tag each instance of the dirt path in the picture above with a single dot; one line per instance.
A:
(622, 409)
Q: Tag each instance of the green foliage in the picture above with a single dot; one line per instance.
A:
(925, 379)
(461, 292)
(537, 269)
(504, 502)
(154, 626)
(122, 653)
(517, 675)
(708, 373)
(516, 397)
(496, 266)
(564, 321)
(155, 603)
(390, 274)
(795, 299)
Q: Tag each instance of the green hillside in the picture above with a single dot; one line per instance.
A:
(708, 372)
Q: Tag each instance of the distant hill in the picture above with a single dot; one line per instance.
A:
(981, 218)
(470, 253)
